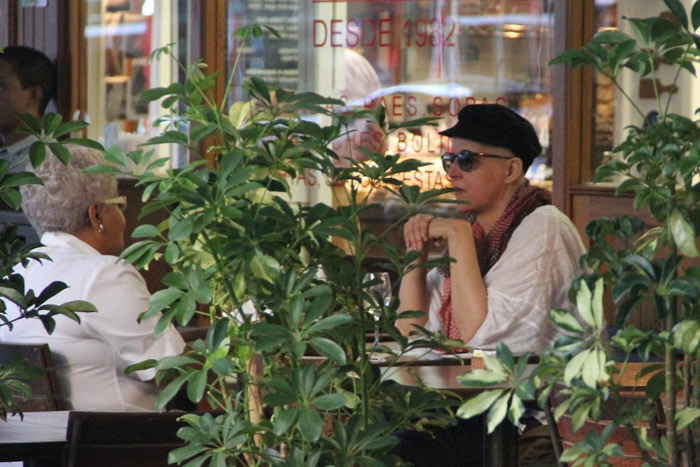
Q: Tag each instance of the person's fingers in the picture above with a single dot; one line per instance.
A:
(441, 228)
(416, 231)
(413, 237)
(425, 227)
(407, 234)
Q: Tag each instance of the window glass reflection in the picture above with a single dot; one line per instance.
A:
(120, 35)
(416, 58)
(611, 112)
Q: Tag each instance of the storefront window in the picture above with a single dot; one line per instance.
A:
(120, 34)
(612, 114)
(417, 58)
(604, 94)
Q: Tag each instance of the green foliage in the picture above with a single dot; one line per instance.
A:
(266, 273)
(48, 131)
(12, 387)
(594, 450)
(31, 305)
(13, 251)
(636, 261)
(501, 370)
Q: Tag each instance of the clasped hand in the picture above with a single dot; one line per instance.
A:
(424, 228)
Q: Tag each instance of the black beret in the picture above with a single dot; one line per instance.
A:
(497, 125)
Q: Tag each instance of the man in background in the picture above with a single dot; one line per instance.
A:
(27, 85)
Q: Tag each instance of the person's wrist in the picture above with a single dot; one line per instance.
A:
(459, 230)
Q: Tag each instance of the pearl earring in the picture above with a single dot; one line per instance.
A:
(101, 228)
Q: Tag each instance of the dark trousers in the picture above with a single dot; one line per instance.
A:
(462, 445)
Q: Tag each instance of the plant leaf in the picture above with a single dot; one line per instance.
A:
(479, 403)
(330, 349)
(686, 416)
(683, 234)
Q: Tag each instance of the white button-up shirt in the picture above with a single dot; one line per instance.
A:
(90, 356)
(532, 276)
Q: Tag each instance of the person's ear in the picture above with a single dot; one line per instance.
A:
(514, 170)
(95, 217)
(35, 96)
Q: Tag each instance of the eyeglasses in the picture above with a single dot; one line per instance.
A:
(119, 201)
(466, 159)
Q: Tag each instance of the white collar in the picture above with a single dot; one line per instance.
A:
(64, 240)
(20, 145)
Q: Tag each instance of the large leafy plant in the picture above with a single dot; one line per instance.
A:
(13, 251)
(286, 356)
(638, 260)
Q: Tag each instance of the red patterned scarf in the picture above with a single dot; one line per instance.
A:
(490, 246)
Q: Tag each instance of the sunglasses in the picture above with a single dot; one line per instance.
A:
(466, 159)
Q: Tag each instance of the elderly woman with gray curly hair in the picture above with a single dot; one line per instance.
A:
(79, 218)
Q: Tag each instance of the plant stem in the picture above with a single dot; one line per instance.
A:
(553, 433)
(696, 394)
(670, 376)
(654, 427)
(627, 97)
(657, 96)
(632, 432)
(687, 390)
(362, 341)
(363, 380)
(222, 267)
(670, 356)
(696, 402)
(232, 73)
(673, 83)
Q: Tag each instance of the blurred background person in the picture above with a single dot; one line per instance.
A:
(79, 217)
(361, 80)
(27, 85)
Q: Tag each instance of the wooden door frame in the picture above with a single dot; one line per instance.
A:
(71, 60)
(11, 13)
(213, 37)
(572, 89)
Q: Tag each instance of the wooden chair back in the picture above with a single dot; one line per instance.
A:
(116, 439)
(46, 393)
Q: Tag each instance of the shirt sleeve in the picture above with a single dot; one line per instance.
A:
(120, 295)
(532, 276)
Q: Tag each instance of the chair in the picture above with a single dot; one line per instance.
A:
(46, 392)
(115, 439)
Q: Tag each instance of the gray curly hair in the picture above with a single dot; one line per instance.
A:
(61, 203)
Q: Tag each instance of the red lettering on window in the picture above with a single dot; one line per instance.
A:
(411, 108)
(384, 32)
(319, 23)
(353, 27)
(336, 31)
(438, 181)
(437, 104)
(418, 176)
(401, 141)
(396, 109)
(371, 26)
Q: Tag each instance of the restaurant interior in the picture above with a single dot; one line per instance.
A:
(416, 59)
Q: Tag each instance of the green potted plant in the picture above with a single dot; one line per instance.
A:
(14, 250)
(272, 285)
(636, 262)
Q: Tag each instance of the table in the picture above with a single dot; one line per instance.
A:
(502, 443)
(40, 435)
(386, 356)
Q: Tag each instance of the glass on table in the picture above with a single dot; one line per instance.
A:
(377, 285)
